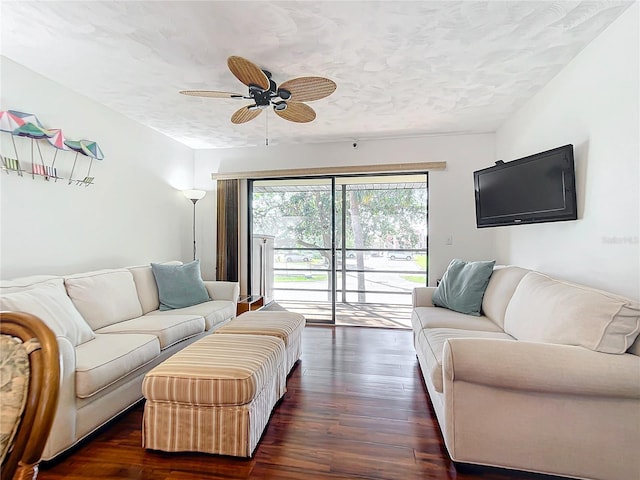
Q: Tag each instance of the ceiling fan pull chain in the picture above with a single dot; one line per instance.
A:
(266, 128)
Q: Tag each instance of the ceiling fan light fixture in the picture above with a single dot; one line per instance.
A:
(279, 106)
(284, 94)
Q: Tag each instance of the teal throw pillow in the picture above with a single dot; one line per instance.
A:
(462, 286)
(179, 286)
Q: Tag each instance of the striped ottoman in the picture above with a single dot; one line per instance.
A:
(215, 395)
(285, 325)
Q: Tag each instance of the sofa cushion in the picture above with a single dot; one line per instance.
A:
(214, 312)
(179, 285)
(104, 297)
(462, 286)
(502, 284)
(219, 370)
(430, 317)
(431, 342)
(146, 286)
(49, 301)
(107, 358)
(19, 284)
(170, 329)
(551, 311)
(635, 348)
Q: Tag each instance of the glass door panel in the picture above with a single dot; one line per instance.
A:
(384, 226)
(299, 214)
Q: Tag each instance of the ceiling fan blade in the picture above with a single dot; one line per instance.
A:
(247, 72)
(210, 94)
(297, 112)
(244, 115)
(307, 89)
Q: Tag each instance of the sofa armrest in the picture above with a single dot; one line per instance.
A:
(219, 290)
(540, 367)
(422, 296)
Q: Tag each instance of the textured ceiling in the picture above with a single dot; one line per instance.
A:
(402, 68)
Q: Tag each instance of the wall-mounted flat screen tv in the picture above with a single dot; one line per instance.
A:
(534, 189)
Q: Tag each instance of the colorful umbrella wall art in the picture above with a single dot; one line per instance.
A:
(91, 149)
(57, 142)
(26, 117)
(9, 121)
(22, 124)
(57, 139)
(88, 148)
(11, 165)
(34, 131)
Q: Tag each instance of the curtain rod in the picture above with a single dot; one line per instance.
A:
(349, 169)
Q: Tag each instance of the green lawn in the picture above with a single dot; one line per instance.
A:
(302, 277)
(421, 279)
(421, 260)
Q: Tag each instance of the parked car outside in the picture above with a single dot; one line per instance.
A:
(400, 255)
(296, 257)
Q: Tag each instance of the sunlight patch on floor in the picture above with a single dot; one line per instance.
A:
(354, 314)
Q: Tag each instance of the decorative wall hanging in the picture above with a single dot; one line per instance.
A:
(20, 124)
(89, 149)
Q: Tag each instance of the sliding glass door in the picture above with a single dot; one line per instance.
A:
(348, 250)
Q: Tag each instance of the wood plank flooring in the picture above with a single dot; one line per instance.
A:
(356, 407)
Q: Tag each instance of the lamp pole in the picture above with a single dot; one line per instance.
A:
(194, 200)
(194, 196)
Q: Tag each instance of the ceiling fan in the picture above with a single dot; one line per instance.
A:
(286, 99)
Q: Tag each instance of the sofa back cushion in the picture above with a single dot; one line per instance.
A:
(147, 287)
(502, 284)
(104, 297)
(49, 301)
(551, 311)
(20, 284)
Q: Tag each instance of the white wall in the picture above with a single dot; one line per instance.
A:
(593, 104)
(452, 207)
(135, 212)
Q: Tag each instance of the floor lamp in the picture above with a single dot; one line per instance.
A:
(194, 196)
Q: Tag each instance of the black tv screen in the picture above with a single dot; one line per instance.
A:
(534, 189)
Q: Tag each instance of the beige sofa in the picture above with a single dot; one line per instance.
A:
(547, 379)
(110, 333)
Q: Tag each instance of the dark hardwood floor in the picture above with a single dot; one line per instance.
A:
(356, 407)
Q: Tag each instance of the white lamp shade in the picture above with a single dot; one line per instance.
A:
(194, 194)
